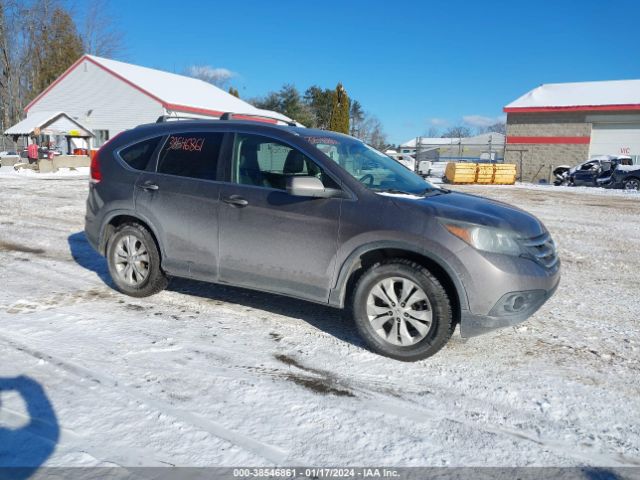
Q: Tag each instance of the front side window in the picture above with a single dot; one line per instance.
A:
(373, 169)
(266, 162)
(191, 154)
(137, 156)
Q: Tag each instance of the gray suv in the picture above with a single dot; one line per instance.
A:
(319, 216)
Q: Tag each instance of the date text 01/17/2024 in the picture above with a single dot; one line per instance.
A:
(349, 473)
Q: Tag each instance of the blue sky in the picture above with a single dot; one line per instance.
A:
(413, 64)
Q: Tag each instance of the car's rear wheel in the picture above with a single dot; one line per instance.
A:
(402, 311)
(632, 184)
(134, 261)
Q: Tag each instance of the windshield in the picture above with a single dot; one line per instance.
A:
(373, 169)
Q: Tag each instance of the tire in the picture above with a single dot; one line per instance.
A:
(404, 331)
(632, 184)
(125, 247)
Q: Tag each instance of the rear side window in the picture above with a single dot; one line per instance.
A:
(137, 156)
(191, 154)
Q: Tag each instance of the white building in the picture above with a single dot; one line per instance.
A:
(107, 97)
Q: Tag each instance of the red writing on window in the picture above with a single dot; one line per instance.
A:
(318, 140)
(187, 144)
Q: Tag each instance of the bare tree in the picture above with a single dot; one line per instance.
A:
(433, 132)
(459, 131)
(38, 41)
(101, 35)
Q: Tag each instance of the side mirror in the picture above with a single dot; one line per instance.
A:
(300, 186)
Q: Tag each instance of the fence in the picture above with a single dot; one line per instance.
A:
(491, 150)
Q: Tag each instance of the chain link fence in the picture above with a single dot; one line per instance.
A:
(488, 149)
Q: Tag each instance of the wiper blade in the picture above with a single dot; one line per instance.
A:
(395, 190)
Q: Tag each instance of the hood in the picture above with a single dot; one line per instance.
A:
(478, 210)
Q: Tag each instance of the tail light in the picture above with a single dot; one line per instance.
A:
(96, 174)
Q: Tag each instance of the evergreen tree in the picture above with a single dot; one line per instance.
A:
(340, 112)
(320, 101)
(234, 92)
(61, 46)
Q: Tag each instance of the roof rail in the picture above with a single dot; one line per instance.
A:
(166, 118)
(257, 118)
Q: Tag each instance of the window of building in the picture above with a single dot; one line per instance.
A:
(138, 156)
(266, 162)
(101, 137)
(191, 154)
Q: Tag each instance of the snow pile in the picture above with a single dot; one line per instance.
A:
(62, 173)
(211, 375)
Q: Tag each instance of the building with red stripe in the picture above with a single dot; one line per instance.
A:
(567, 123)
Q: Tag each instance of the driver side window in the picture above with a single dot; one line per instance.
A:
(265, 162)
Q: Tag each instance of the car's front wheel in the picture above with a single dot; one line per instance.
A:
(632, 184)
(134, 261)
(402, 311)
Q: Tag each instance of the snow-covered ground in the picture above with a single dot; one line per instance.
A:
(210, 375)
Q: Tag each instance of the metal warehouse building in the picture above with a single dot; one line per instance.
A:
(105, 97)
(567, 123)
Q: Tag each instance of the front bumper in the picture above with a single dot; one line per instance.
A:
(472, 325)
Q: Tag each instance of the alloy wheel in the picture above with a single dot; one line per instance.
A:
(399, 311)
(131, 260)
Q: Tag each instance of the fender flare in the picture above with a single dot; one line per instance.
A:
(338, 292)
(102, 240)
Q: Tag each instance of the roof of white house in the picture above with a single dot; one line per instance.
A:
(58, 123)
(495, 137)
(429, 141)
(580, 96)
(175, 92)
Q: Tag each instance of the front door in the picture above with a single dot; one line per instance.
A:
(586, 175)
(270, 240)
(180, 199)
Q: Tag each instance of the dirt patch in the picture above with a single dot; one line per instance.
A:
(318, 385)
(275, 336)
(294, 363)
(135, 308)
(16, 247)
(321, 382)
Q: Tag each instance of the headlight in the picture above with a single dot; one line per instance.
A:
(487, 239)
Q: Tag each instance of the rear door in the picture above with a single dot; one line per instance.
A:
(270, 240)
(180, 198)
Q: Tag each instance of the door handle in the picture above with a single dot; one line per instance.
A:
(236, 201)
(149, 186)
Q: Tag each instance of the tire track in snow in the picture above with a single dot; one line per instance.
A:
(400, 407)
(89, 447)
(271, 453)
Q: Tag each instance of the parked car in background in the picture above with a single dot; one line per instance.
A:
(319, 216)
(596, 172)
(422, 168)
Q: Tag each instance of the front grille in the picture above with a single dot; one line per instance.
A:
(542, 249)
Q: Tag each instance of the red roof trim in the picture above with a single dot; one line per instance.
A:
(548, 140)
(253, 118)
(579, 108)
(185, 108)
